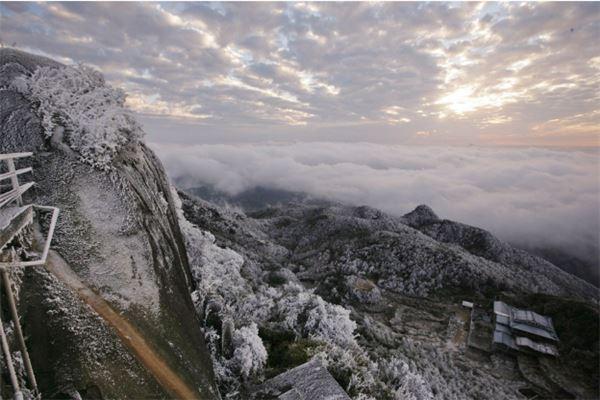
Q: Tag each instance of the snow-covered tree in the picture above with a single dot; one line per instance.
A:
(250, 354)
(77, 102)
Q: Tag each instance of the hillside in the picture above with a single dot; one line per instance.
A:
(380, 300)
(584, 266)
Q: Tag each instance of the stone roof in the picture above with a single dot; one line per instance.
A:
(309, 381)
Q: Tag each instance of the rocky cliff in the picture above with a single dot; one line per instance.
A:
(118, 231)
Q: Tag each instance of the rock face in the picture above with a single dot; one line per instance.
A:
(119, 232)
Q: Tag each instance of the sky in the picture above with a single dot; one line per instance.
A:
(492, 74)
(467, 107)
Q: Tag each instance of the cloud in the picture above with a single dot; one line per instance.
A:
(490, 73)
(528, 196)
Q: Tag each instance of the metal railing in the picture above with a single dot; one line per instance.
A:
(16, 191)
(15, 194)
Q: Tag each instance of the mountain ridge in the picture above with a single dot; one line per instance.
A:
(403, 289)
(260, 197)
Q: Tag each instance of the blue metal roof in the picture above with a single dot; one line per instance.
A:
(505, 339)
(539, 347)
(534, 330)
(524, 321)
(501, 319)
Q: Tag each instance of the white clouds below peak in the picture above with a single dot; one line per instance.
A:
(534, 197)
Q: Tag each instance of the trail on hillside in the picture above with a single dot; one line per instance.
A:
(128, 334)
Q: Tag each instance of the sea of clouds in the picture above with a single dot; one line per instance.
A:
(531, 197)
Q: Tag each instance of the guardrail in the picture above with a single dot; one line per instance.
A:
(13, 174)
(15, 194)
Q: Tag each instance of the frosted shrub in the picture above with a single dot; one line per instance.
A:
(218, 269)
(307, 314)
(331, 323)
(218, 275)
(413, 388)
(258, 307)
(250, 355)
(92, 113)
(409, 386)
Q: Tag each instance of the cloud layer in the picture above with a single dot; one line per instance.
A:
(532, 197)
(500, 73)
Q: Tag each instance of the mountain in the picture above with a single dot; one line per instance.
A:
(586, 268)
(378, 297)
(482, 243)
(259, 197)
(118, 238)
(151, 292)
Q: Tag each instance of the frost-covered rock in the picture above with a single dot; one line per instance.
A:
(422, 215)
(117, 230)
(79, 101)
(362, 290)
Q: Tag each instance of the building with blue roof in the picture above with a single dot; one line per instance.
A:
(523, 330)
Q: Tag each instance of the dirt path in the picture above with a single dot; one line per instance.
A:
(129, 335)
(460, 339)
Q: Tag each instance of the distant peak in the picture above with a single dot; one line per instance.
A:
(421, 215)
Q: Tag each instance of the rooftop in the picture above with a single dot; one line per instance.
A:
(539, 347)
(525, 321)
(308, 381)
(512, 323)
